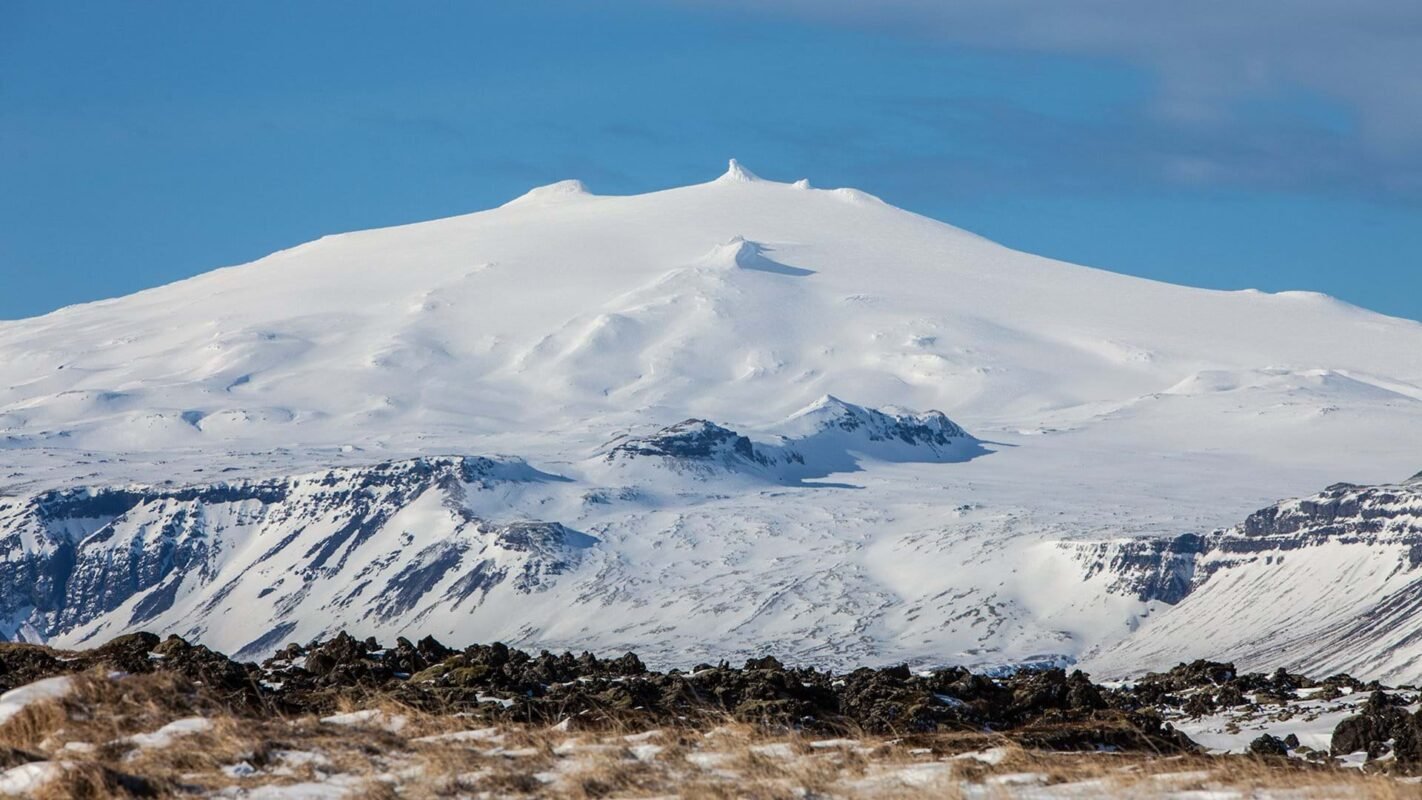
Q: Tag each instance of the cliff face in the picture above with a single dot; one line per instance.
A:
(1328, 582)
(1146, 569)
(131, 555)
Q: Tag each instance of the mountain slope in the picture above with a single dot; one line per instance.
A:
(1330, 582)
(254, 558)
(564, 305)
(581, 333)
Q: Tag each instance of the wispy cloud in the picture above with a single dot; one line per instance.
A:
(1222, 69)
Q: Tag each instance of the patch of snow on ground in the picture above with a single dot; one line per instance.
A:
(24, 780)
(166, 735)
(17, 699)
(369, 718)
(1231, 730)
(476, 735)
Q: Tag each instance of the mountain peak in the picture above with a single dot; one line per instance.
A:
(830, 415)
(551, 192)
(827, 406)
(737, 173)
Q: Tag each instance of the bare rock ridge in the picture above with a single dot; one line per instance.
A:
(126, 555)
(824, 438)
(1372, 534)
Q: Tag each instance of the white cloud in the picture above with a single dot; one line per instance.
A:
(1212, 57)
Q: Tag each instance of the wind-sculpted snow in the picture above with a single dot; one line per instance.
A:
(674, 357)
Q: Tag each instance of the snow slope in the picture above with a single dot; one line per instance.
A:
(1096, 406)
(1328, 583)
(563, 307)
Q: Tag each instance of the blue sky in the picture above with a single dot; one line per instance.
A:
(1230, 147)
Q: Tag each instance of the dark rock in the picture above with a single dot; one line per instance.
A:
(1199, 705)
(767, 662)
(1268, 745)
(26, 663)
(1047, 708)
(127, 653)
(12, 757)
(1381, 720)
(630, 664)
(236, 685)
(320, 663)
(1106, 731)
(1230, 697)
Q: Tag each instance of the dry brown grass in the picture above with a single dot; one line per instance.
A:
(128, 706)
(710, 759)
(88, 781)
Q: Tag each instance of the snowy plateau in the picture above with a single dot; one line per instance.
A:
(719, 420)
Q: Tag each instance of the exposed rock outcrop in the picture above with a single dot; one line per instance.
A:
(131, 554)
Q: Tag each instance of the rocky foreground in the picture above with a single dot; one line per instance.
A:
(144, 716)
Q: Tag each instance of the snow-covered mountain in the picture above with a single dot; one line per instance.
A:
(664, 369)
(1330, 583)
(365, 545)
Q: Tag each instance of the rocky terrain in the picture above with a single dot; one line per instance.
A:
(145, 716)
